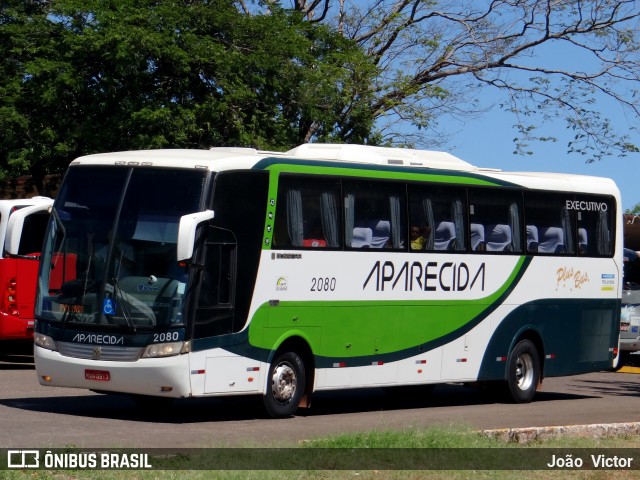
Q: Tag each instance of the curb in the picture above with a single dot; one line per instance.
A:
(629, 370)
(532, 434)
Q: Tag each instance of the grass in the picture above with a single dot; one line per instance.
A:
(367, 456)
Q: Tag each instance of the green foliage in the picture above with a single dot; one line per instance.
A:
(633, 211)
(433, 437)
(84, 76)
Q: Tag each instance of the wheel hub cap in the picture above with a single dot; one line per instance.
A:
(283, 383)
(524, 372)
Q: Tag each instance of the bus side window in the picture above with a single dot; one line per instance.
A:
(308, 214)
(495, 220)
(374, 214)
(437, 218)
(595, 226)
(550, 226)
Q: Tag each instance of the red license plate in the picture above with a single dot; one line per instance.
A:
(97, 375)
(624, 328)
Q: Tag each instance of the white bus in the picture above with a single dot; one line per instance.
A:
(234, 271)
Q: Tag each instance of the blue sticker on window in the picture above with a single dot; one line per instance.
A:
(108, 306)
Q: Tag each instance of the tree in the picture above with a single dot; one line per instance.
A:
(434, 56)
(633, 211)
(84, 76)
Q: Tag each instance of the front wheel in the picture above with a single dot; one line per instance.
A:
(285, 385)
(523, 372)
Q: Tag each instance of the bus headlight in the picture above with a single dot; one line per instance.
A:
(44, 341)
(166, 349)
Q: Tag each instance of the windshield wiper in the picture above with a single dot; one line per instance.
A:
(121, 298)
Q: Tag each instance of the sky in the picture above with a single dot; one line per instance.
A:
(488, 142)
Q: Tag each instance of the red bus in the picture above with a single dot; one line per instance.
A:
(22, 222)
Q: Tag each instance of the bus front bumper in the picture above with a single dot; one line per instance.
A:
(164, 377)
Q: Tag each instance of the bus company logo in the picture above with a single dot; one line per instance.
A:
(427, 277)
(98, 339)
(567, 277)
(281, 284)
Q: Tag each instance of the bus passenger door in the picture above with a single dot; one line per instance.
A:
(216, 285)
(216, 315)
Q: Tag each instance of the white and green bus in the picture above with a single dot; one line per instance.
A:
(185, 273)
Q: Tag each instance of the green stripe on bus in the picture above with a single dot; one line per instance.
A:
(350, 169)
(360, 330)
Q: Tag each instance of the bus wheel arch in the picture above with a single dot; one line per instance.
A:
(525, 367)
(290, 378)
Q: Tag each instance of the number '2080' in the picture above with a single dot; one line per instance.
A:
(166, 337)
(323, 284)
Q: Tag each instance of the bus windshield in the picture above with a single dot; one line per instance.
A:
(111, 248)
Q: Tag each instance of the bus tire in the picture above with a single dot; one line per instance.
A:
(523, 372)
(285, 385)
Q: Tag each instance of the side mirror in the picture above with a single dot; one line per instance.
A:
(16, 224)
(187, 232)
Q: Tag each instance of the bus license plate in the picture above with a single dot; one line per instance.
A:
(97, 375)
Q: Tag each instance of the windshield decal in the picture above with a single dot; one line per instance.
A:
(109, 307)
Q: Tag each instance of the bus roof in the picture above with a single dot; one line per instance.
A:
(380, 156)
(214, 159)
(232, 158)
(559, 181)
(222, 158)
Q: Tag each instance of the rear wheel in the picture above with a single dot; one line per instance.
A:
(523, 372)
(285, 386)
